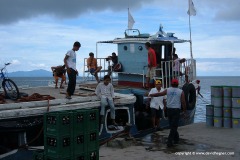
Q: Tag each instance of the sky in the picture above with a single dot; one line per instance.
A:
(37, 34)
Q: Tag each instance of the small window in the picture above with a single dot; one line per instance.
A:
(163, 52)
(140, 48)
(125, 48)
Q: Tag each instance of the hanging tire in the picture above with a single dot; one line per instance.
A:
(190, 95)
(10, 89)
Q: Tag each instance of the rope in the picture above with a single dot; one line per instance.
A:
(204, 100)
(39, 133)
(35, 97)
(2, 99)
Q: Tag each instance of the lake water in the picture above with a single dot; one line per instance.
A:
(206, 83)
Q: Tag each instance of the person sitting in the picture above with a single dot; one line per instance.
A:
(114, 59)
(92, 66)
(59, 72)
(105, 92)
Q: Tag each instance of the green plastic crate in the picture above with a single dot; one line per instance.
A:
(58, 145)
(58, 123)
(82, 156)
(92, 120)
(58, 158)
(93, 140)
(79, 121)
(38, 155)
(80, 144)
(93, 155)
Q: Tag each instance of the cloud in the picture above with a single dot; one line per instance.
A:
(218, 67)
(219, 10)
(13, 11)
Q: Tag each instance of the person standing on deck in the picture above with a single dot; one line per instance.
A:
(157, 104)
(105, 92)
(175, 99)
(152, 64)
(70, 63)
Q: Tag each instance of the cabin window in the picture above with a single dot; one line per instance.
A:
(163, 52)
(140, 48)
(125, 48)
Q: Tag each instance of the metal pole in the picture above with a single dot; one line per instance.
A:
(189, 22)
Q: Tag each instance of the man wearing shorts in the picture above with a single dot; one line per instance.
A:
(157, 104)
(92, 66)
(152, 64)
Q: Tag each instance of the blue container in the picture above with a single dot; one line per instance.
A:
(236, 102)
(217, 101)
(217, 91)
(235, 91)
(235, 122)
(217, 121)
(227, 91)
(227, 122)
(209, 110)
(209, 121)
(227, 112)
(236, 112)
(218, 111)
(227, 101)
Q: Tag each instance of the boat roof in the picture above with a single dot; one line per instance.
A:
(144, 40)
(159, 37)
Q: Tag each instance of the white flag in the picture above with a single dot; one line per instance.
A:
(191, 10)
(130, 20)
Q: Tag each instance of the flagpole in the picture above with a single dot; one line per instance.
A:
(190, 30)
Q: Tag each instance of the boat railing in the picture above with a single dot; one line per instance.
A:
(165, 72)
(100, 62)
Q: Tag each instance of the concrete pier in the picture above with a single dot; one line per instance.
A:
(197, 141)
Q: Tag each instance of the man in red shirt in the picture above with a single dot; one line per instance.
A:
(152, 64)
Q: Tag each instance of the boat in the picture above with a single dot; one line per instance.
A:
(132, 55)
(23, 122)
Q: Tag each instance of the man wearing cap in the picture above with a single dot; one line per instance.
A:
(70, 63)
(92, 66)
(157, 104)
(175, 99)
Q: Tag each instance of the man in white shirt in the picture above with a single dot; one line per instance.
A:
(70, 63)
(105, 92)
(157, 104)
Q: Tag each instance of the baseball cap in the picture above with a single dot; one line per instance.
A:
(158, 82)
(174, 81)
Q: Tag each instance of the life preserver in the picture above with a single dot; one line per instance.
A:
(190, 95)
(117, 67)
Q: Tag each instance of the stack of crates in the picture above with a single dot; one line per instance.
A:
(85, 134)
(71, 135)
(58, 135)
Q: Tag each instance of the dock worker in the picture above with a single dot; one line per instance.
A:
(152, 64)
(59, 72)
(175, 99)
(70, 63)
(157, 105)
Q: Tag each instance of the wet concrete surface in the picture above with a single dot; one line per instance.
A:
(197, 142)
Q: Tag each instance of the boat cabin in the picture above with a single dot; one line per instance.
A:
(133, 57)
